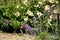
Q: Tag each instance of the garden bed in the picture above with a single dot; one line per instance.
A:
(19, 18)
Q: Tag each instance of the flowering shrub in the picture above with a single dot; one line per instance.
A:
(37, 14)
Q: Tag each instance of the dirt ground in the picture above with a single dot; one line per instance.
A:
(14, 36)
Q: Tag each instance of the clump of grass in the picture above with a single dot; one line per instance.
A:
(20, 34)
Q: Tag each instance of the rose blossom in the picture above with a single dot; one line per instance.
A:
(39, 14)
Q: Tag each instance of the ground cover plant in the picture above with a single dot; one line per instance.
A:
(36, 17)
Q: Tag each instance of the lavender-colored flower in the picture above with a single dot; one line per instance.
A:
(27, 27)
(30, 30)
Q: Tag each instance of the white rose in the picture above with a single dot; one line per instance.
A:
(40, 3)
(39, 14)
(47, 7)
(30, 13)
(52, 1)
(25, 2)
(17, 14)
(36, 6)
(25, 19)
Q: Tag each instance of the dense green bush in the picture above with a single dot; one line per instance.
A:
(38, 14)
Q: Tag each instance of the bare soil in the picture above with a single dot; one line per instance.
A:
(15, 36)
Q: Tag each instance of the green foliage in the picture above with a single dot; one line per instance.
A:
(15, 24)
(19, 12)
(43, 35)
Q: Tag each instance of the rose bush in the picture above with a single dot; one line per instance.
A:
(38, 14)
